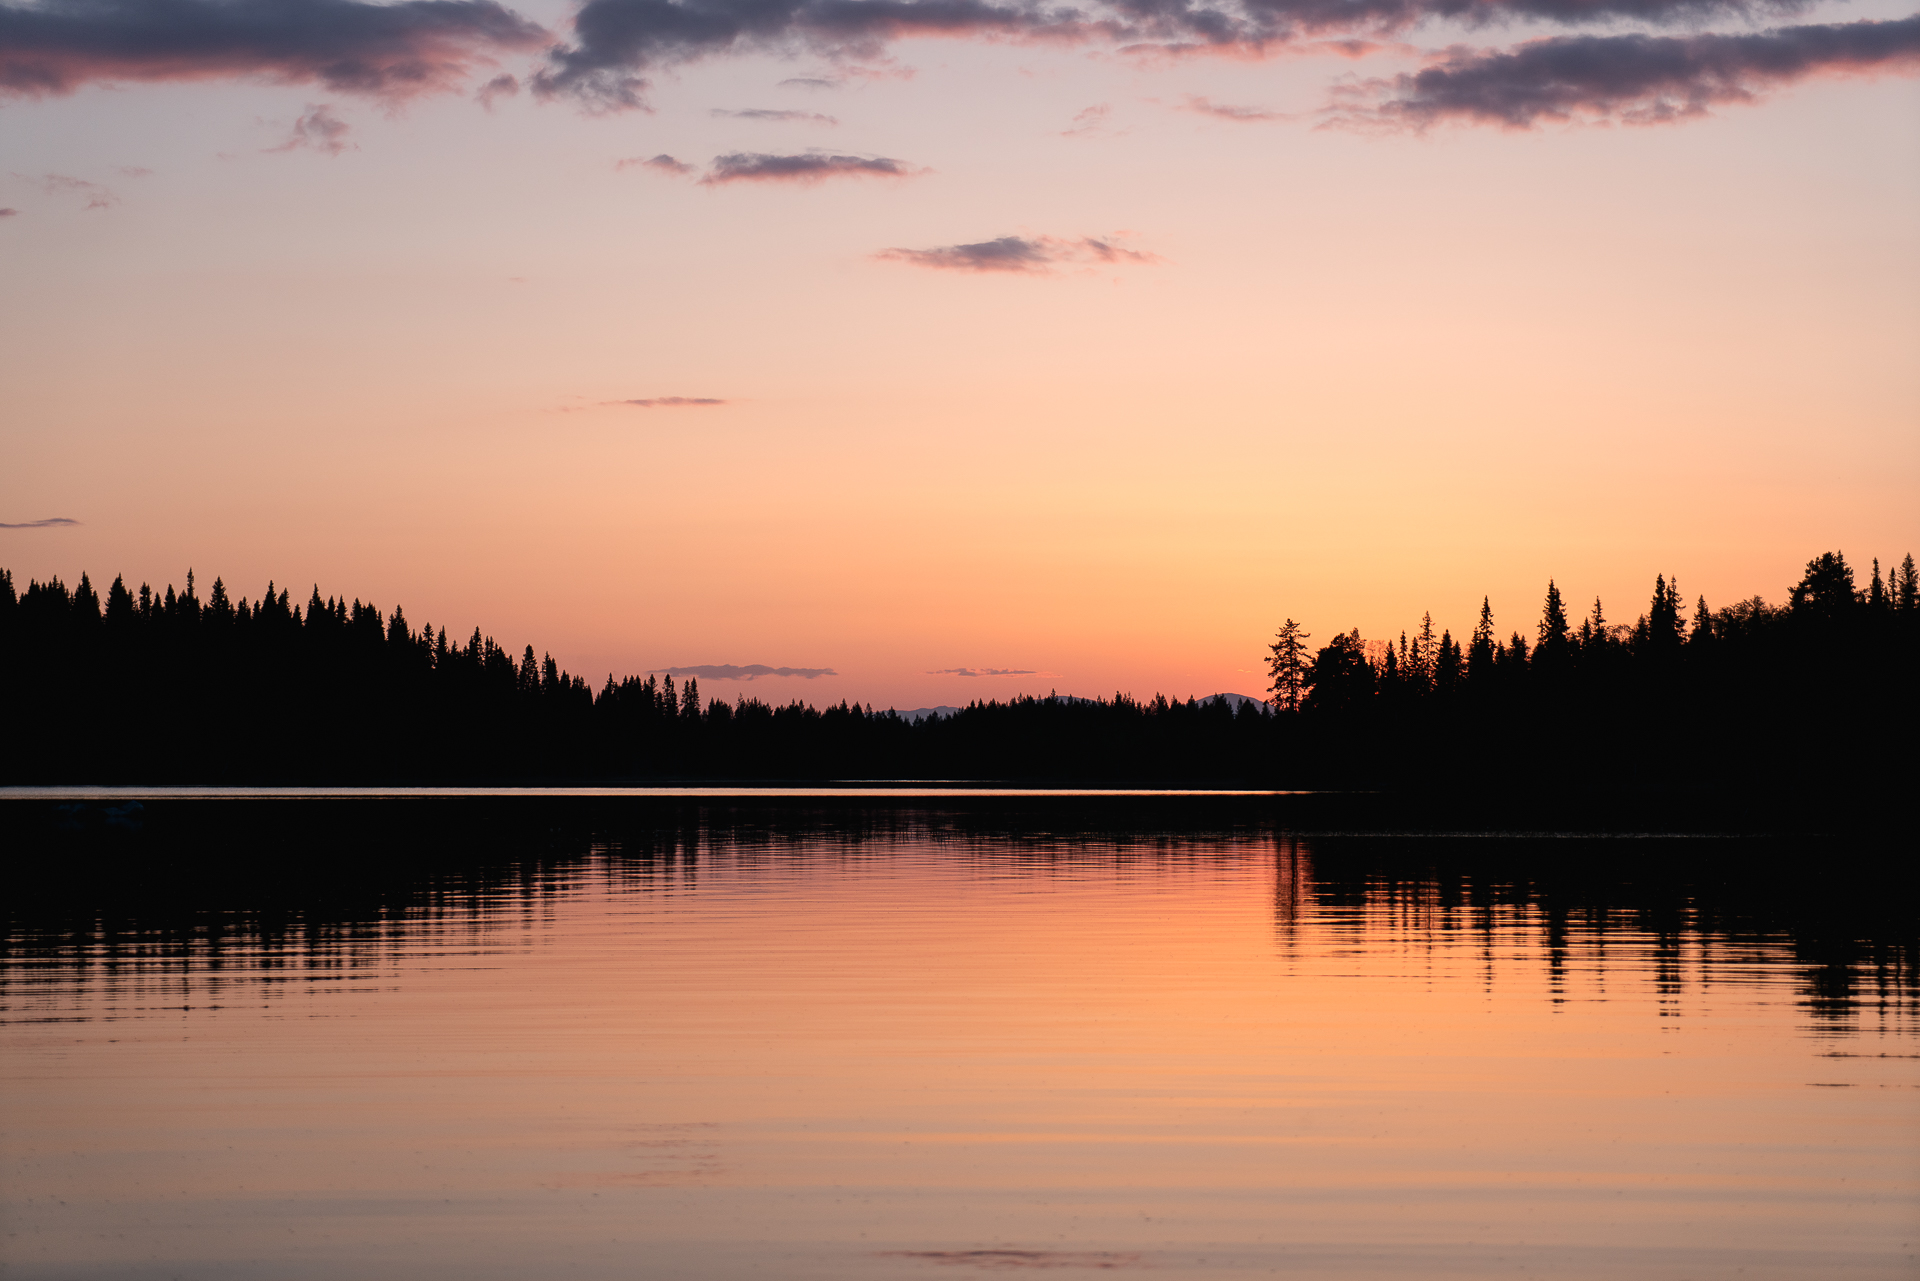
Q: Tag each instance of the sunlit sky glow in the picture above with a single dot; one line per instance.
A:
(1055, 349)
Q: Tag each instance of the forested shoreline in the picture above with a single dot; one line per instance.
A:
(1816, 694)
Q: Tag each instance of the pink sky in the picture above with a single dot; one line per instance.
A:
(1057, 351)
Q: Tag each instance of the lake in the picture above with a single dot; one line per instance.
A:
(911, 1043)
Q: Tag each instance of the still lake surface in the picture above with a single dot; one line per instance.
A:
(921, 1049)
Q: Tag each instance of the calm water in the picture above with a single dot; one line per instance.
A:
(924, 1053)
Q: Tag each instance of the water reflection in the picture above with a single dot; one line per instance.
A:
(884, 1042)
(102, 954)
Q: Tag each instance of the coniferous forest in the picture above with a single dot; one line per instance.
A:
(1813, 698)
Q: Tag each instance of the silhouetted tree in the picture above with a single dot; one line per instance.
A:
(1287, 664)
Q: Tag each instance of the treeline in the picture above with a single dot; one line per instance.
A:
(1812, 697)
(170, 687)
(1816, 696)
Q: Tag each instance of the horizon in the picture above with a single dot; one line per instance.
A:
(736, 682)
(1069, 354)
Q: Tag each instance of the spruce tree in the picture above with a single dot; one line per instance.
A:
(1552, 645)
(1287, 663)
(1482, 652)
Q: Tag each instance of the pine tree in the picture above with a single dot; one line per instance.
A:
(1552, 645)
(1425, 654)
(1702, 633)
(1906, 590)
(1826, 591)
(1482, 652)
(1287, 662)
(119, 604)
(1663, 623)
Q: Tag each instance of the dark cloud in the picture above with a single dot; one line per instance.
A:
(1632, 79)
(1225, 112)
(752, 671)
(318, 129)
(984, 671)
(664, 163)
(761, 113)
(616, 42)
(1018, 254)
(9, 213)
(666, 402)
(501, 86)
(50, 522)
(388, 50)
(753, 166)
(808, 82)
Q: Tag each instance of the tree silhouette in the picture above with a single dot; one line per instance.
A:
(1287, 663)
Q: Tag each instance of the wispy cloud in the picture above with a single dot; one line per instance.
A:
(666, 402)
(9, 213)
(784, 117)
(1629, 79)
(663, 163)
(1008, 1260)
(809, 82)
(984, 671)
(392, 51)
(59, 184)
(50, 522)
(1020, 255)
(751, 671)
(1091, 123)
(317, 129)
(1224, 111)
(812, 167)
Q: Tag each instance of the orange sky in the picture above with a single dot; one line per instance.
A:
(1360, 375)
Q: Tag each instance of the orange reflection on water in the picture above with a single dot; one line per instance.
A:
(834, 1058)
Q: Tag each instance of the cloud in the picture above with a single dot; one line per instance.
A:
(753, 166)
(59, 184)
(1225, 112)
(761, 113)
(391, 51)
(664, 163)
(1018, 254)
(50, 522)
(616, 42)
(1091, 123)
(501, 86)
(984, 671)
(808, 82)
(666, 402)
(317, 130)
(9, 213)
(752, 671)
(1631, 79)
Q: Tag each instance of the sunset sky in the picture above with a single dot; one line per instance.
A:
(918, 338)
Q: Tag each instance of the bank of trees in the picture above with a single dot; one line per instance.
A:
(1815, 693)
(177, 686)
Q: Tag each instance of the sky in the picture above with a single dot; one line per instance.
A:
(946, 349)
